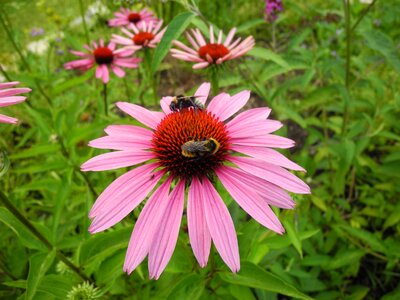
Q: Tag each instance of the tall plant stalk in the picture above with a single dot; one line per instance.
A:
(12, 209)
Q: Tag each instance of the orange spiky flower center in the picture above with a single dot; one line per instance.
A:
(134, 18)
(215, 51)
(142, 38)
(103, 55)
(180, 127)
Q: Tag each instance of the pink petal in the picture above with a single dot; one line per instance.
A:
(228, 107)
(118, 71)
(221, 226)
(202, 92)
(199, 235)
(7, 101)
(6, 85)
(14, 91)
(99, 72)
(116, 160)
(166, 235)
(273, 194)
(128, 130)
(8, 120)
(254, 128)
(268, 155)
(147, 117)
(216, 104)
(201, 65)
(121, 143)
(106, 74)
(249, 116)
(250, 201)
(145, 227)
(165, 103)
(266, 140)
(271, 173)
(120, 202)
(230, 36)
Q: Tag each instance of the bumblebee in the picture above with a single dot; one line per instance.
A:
(197, 149)
(181, 102)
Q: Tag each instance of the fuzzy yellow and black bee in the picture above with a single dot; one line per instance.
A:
(181, 102)
(198, 149)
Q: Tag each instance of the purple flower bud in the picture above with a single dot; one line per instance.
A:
(37, 31)
(272, 9)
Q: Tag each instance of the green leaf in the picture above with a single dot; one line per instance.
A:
(269, 55)
(174, 30)
(255, 277)
(293, 236)
(36, 150)
(24, 235)
(250, 24)
(190, 287)
(38, 266)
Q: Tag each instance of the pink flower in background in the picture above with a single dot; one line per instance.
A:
(272, 9)
(8, 97)
(214, 52)
(102, 57)
(145, 36)
(125, 17)
(236, 150)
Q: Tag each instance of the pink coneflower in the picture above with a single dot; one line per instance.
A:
(240, 156)
(145, 36)
(214, 52)
(8, 97)
(103, 57)
(125, 17)
(272, 9)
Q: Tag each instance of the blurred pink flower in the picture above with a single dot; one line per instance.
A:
(125, 17)
(103, 57)
(8, 97)
(214, 52)
(252, 173)
(145, 36)
(272, 9)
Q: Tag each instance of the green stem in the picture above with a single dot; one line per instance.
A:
(346, 4)
(105, 99)
(5, 73)
(214, 80)
(82, 11)
(273, 36)
(12, 209)
(363, 14)
(21, 56)
(150, 77)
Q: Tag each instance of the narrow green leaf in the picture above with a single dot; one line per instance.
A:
(174, 30)
(38, 266)
(269, 55)
(190, 287)
(293, 236)
(250, 24)
(253, 276)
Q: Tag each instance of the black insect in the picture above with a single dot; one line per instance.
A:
(196, 149)
(181, 102)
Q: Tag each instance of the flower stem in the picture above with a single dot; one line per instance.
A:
(84, 21)
(273, 32)
(363, 14)
(346, 4)
(12, 209)
(150, 77)
(105, 99)
(214, 81)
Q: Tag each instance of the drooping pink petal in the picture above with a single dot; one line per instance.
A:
(268, 155)
(254, 129)
(119, 186)
(273, 194)
(271, 173)
(121, 143)
(5, 85)
(116, 160)
(199, 235)
(266, 140)
(147, 117)
(128, 130)
(105, 75)
(14, 91)
(124, 201)
(146, 226)
(7, 101)
(250, 201)
(166, 235)
(249, 116)
(8, 120)
(118, 71)
(221, 226)
(201, 65)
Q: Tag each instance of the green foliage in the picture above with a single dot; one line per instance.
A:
(341, 242)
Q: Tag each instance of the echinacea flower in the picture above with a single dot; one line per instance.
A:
(125, 17)
(272, 9)
(214, 52)
(146, 36)
(103, 57)
(8, 97)
(241, 158)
